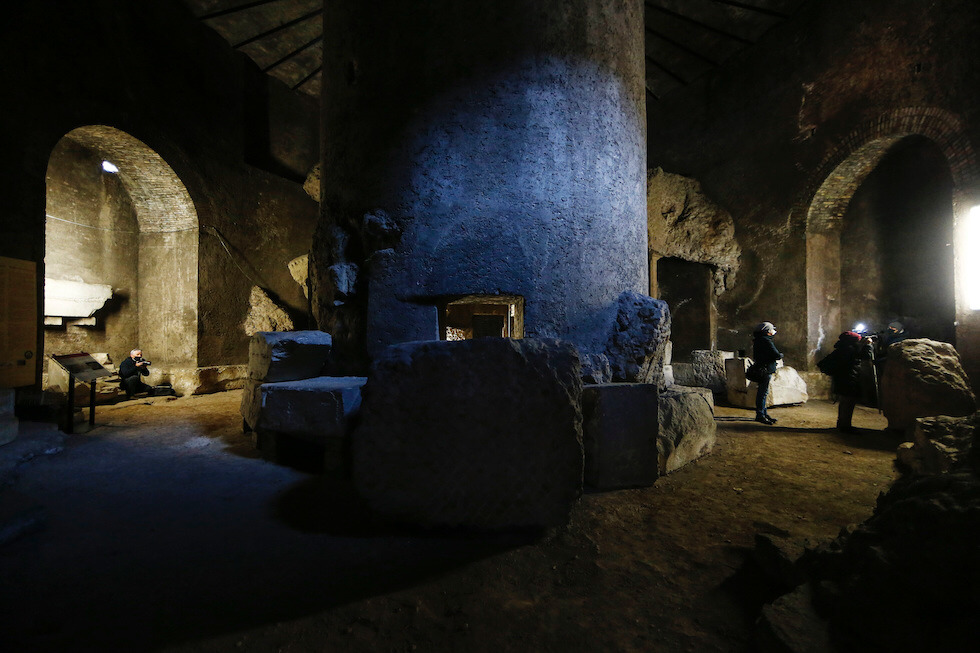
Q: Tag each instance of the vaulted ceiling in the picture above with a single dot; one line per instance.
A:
(684, 38)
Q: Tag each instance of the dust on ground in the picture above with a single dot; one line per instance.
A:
(166, 531)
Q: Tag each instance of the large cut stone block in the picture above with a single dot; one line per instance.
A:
(479, 434)
(687, 426)
(275, 356)
(923, 378)
(708, 369)
(939, 444)
(786, 386)
(620, 434)
(310, 409)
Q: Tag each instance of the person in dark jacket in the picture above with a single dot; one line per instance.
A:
(850, 349)
(764, 355)
(130, 372)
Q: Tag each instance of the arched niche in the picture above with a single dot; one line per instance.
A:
(133, 230)
(853, 184)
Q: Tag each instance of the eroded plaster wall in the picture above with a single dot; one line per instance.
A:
(814, 107)
(155, 73)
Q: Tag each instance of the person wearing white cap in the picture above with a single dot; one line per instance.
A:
(764, 355)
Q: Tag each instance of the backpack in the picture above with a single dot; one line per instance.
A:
(831, 363)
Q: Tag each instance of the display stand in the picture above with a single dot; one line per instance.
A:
(84, 368)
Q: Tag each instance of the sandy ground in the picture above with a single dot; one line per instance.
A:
(166, 531)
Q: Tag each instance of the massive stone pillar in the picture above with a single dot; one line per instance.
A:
(480, 148)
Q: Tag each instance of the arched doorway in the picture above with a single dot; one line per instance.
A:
(882, 230)
(121, 251)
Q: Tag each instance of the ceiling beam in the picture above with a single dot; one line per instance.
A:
(307, 78)
(234, 10)
(278, 29)
(667, 71)
(688, 19)
(681, 46)
(761, 10)
(302, 48)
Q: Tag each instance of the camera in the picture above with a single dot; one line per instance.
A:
(140, 359)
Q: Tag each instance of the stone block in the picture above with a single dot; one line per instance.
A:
(923, 378)
(205, 380)
(288, 355)
(309, 409)
(791, 624)
(686, 416)
(265, 314)
(707, 369)
(785, 388)
(477, 434)
(620, 435)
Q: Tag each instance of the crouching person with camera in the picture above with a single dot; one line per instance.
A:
(131, 372)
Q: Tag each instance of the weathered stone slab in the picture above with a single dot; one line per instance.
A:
(786, 386)
(288, 355)
(637, 339)
(480, 434)
(310, 409)
(74, 298)
(204, 380)
(620, 435)
(687, 426)
(923, 378)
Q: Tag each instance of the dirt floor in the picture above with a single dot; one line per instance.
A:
(166, 531)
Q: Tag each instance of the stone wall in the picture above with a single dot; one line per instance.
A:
(784, 135)
(156, 74)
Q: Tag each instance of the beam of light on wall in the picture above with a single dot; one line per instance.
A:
(971, 258)
(108, 166)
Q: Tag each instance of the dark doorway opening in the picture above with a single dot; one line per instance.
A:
(897, 244)
(687, 288)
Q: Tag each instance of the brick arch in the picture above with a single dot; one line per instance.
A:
(168, 239)
(838, 178)
(846, 166)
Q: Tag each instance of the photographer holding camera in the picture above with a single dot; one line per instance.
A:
(130, 371)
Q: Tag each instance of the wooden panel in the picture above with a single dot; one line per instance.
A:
(18, 322)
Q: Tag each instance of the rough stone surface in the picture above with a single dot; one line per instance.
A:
(923, 378)
(477, 434)
(791, 624)
(778, 557)
(905, 579)
(204, 380)
(939, 444)
(311, 409)
(620, 435)
(637, 339)
(786, 386)
(682, 222)
(312, 183)
(264, 314)
(707, 370)
(288, 355)
(299, 269)
(687, 426)
(558, 221)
